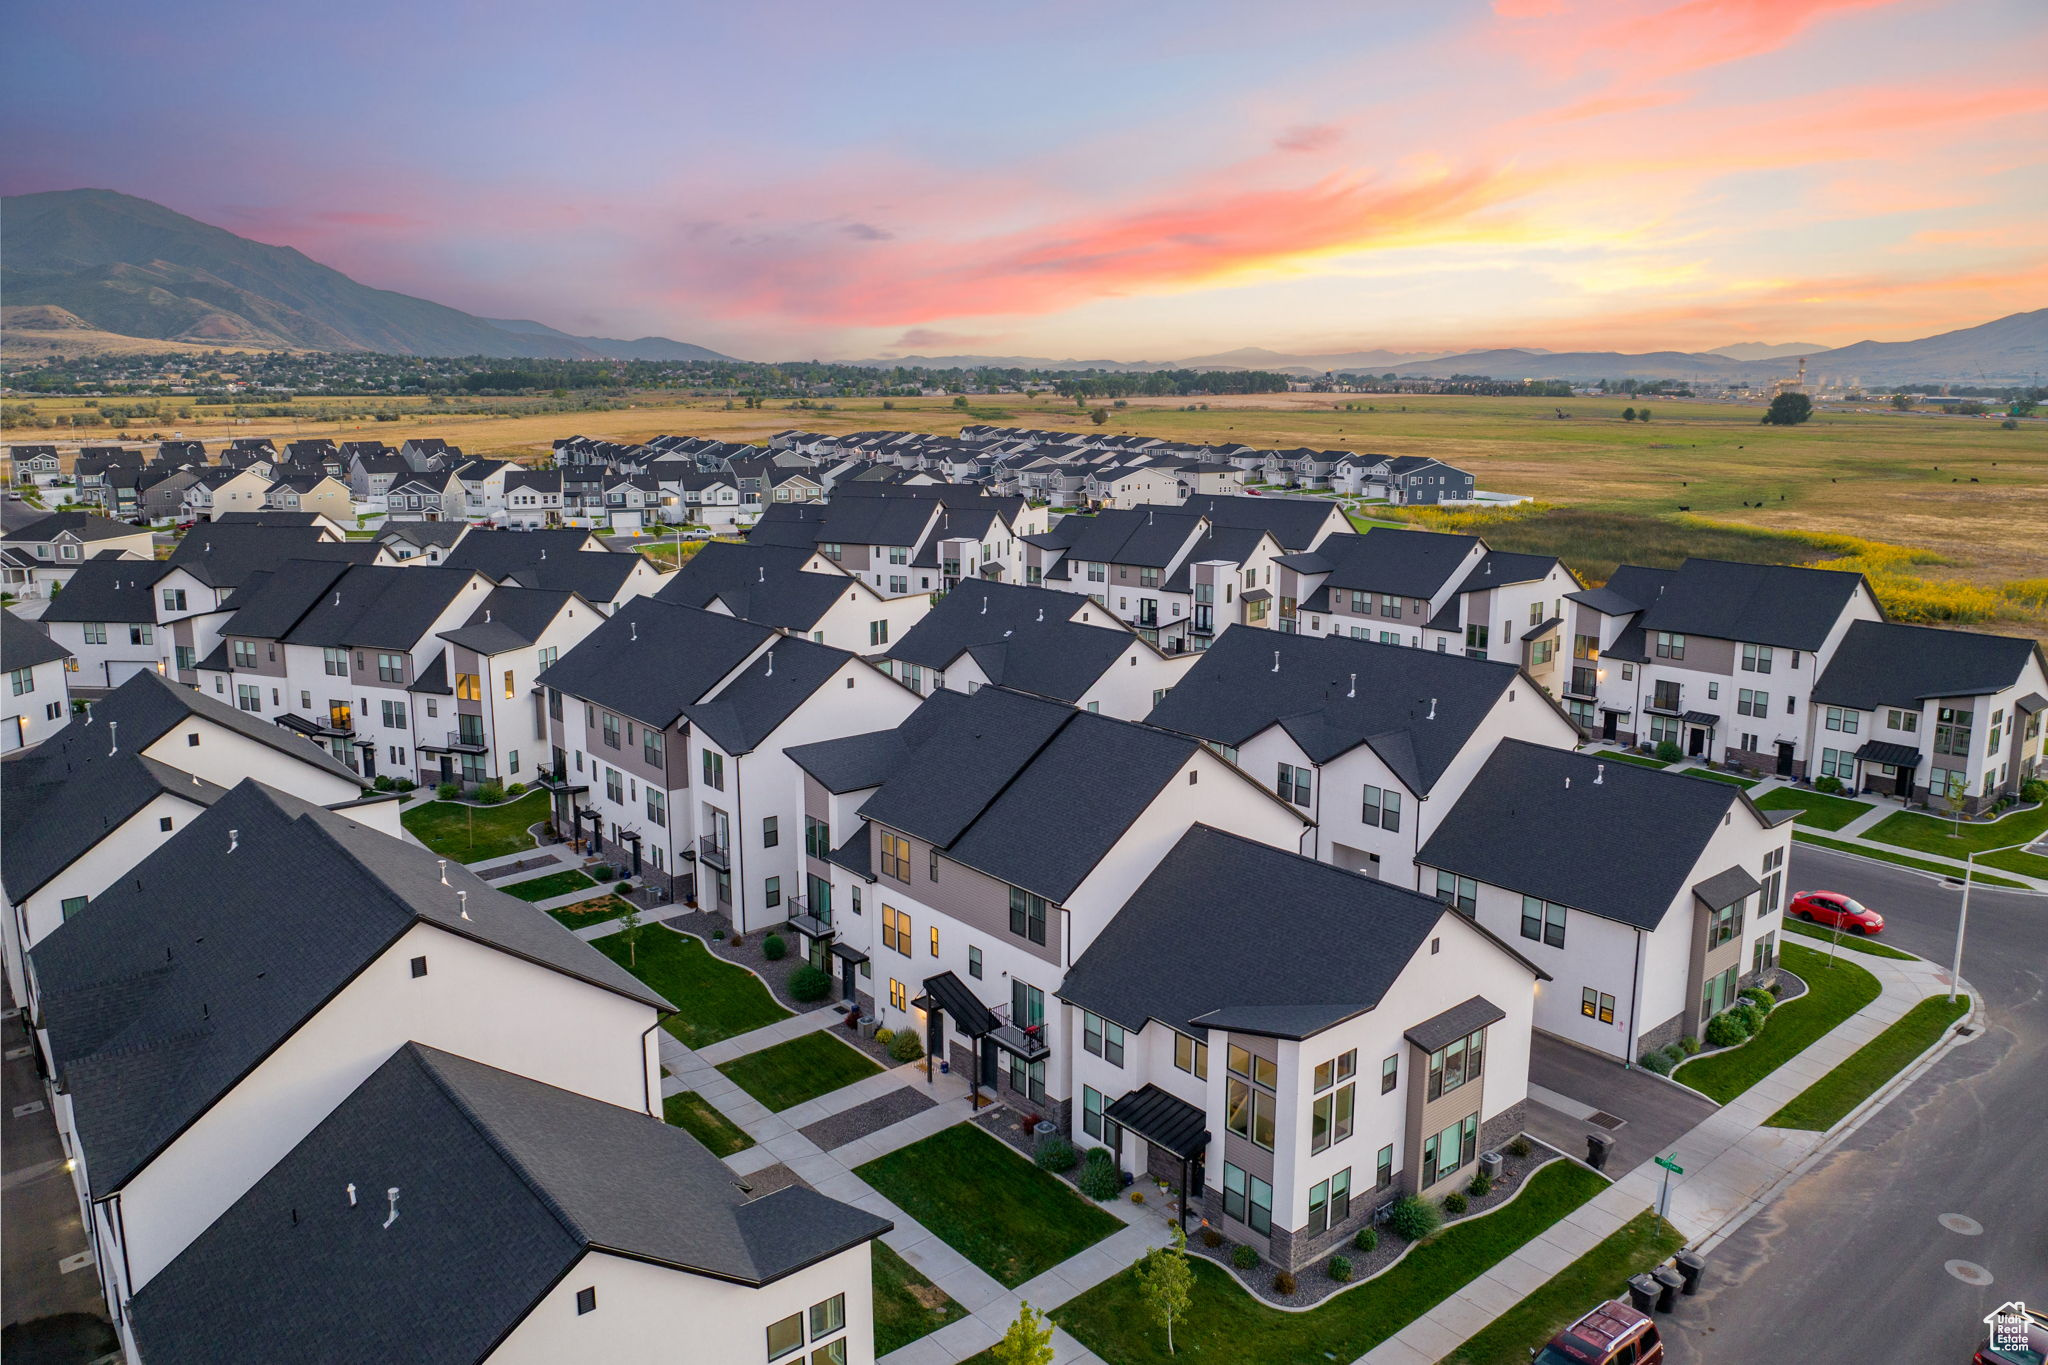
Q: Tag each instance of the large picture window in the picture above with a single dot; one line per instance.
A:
(1543, 921)
(1456, 1063)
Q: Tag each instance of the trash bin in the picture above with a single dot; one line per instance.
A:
(1668, 1283)
(1642, 1293)
(1691, 1266)
(1490, 1165)
(1597, 1146)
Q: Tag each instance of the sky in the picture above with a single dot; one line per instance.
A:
(783, 179)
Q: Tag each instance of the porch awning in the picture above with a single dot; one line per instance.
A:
(1538, 632)
(949, 993)
(1163, 1120)
(846, 952)
(1700, 718)
(1898, 755)
(1442, 1030)
(2033, 701)
(1725, 888)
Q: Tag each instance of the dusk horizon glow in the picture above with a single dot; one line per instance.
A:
(800, 180)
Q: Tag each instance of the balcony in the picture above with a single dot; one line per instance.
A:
(1584, 684)
(1027, 1041)
(714, 852)
(557, 780)
(805, 919)
(459, 742)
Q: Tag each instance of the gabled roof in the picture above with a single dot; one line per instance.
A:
(1415, 708)
(1882, 663)
(569, 561)
(108, 590)
(365, 606)
(499, 1198)
(1147, 537)
(513, 618)
(759, 582)
(1404, 563)
(848, 521)
(1328, 947)
(1620, 841)
(1020, 637)
(1498, 568)
(79, 525)
(183, 976)
(653, 660)
(1766, 604)
(853, 762)
(225, 555)
(24, 644)
(424, 533)
(1293, 522)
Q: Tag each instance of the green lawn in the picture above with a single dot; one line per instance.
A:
(548, 887)
(693, 1113)
(596, 910)
(471, 834)
(2016, 860)
(1817, 810)
(1823, 1104)
(1640, 760)
(1833, 993)
(988, 1203)
(1932, 834)
(1883, 856)
(1850, 941)
(1643, 1243)
(1224, 1323)
(907, 1305)
(715, 999)
(805, 1067)
(1730, 778)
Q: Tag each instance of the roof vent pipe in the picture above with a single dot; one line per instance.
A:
(635, 626)
(1599, 774)
(234, 839)
(1354, 686)
(1432, 709)
(392, 1195)
(113, 737)
(462, 899)
(1567, 784)
(1276, 661)
(443, 862)
(351, 1194)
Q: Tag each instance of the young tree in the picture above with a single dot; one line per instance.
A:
(1788, 410)
(1904, 401)
(1628, 414)
(1642, 414)
(629, 930)
(1099, 416)
(1028, 1342)
(1166, 1282)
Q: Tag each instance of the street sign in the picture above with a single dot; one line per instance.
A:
(1670, 1164)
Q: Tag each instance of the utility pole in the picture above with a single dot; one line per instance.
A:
(1955, 971)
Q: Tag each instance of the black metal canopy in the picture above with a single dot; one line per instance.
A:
(1163, 1120)
(949, 993)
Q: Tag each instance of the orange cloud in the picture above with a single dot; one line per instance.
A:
(1654, 42)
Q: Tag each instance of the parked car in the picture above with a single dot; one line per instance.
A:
(1612, 1334)
(1834, 909)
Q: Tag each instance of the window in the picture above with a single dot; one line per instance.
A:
(1763, 955)
(1248, 1199)
(1450, 1150)
(1842, 719)
(1460, 893)
(878, 634)
(1725, 924)
(394, 715)
(1027, 915)
(1329, 1202)
(22, 680)
(1455, 1063)
(1749, 703)
(1543, 921)
(898, 997)
(1997, 733)
(187, 657)
(650, 747)
(545, 659)
(935, 940)
(1390, 1074)
(657, 806)
(419, 966)
(1248, 1100)
(895, 857)
(244, 651)
(71, 905)
(1382, 807)
(1191, 1055)
(830, 550)
(1838, 763)
(614, 786)
(1332, 1111)
(1476, 639)
(1908, 721)
(974, 963)
(611, 731)
(1383, 1170)
(1596, 1005)
(772, 892)
(771, 831)
(248, 698)
(1296, 784)
(1669, 646)
(469, 688)
(714, 770)
(1103, 1037)
(1091, 1112)
(932, 862)
(787, 1335)
(895, 930)
(1952, 730)
(586, 1300)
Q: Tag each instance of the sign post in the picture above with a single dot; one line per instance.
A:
(1671, 1167)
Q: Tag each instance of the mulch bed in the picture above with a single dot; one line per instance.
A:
(1008, 1124)
(769, 1179)
(498, 874)
(705, 924)
(872, 1117)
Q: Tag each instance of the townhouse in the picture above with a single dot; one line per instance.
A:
(497, 728)
(1374, 743)
(196, 1035)
(668, 729)
(1404, 480)
(211, 563)
(481, 1227)
(1650, 897)
(903, 540)
(1034, 640)
(108, 789)
(794, 589)
(567, 560)
(1300, 1045)
(38, 698)
(1919, 713)
(1173, 574)
(106, 620)
(426, 541)
(1718, 658)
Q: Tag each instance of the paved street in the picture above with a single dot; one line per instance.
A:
(1848, 1265)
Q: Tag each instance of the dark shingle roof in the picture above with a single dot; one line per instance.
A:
(512, 618)
(182, 976)
(1021, 637)
(1766, 604)
(1147, 537)
(1498, 567)
(83, 525)
(653, 659)
(1294, 522)
(853, 763)
(1405, 563)
(108, 590)
(1458, 1021)
(1330, 942)
(1620, 843)
(226, 555)
(24, 644)
(499, 1197)
(1880, 663)
(1333, 694)
(366, 606)
(764, 583)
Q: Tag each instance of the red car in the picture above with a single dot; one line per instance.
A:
(1834, 909)
(1612, 1334)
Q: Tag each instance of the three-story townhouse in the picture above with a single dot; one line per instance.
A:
(796, 590)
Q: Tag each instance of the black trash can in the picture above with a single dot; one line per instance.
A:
(1597, 1147)
(1668, 1283)
(1642, 1293)
(1690, 1267)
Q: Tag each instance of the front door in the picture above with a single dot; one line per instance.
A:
(1784, 759)
(988, 1063)
(1608, 726)
(447, 768)
(846, 991)
(1696, 743)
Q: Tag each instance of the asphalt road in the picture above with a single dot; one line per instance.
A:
(1849, 1263)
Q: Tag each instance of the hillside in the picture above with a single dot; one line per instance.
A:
(134, 268)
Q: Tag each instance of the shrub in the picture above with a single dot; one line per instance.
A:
(406, 784)
(516, 789)
(1099, 1177)
(1726, 1030)
(1340, 1268)
(1655, 1061)
(1243, 1257)
(885, 1036)
(448, 791)
(1454, 1203)
(1413, 1218)
(1674, 1053)
(1481, 1186)
(719, 934)
(2034, 791)
(1827, 785)
(384, 782)
(1752, 1017)
(1761, 998)
(622, 887)
(1283, 1283)
(602, 872)
(490, 793)
(1137, 1196)
(1667, 752)
(1054, 1153)
(905, 1047)
(1211, 1238)
(1519, 1147)
(1367, 1240)
(773, 948)
(808, 984)
(1689, 1045)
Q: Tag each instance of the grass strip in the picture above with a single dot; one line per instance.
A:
(695, 1115)
(805, 1067)
(1833, 993)
(1932, 834)
(907, 1305)
(1828, 1100)
(548, 887)
(1901, 860)
(1817, 810)
(1640, 760)
(714, 999)
(1643, 1243)
(1730, 778)
(470, 834)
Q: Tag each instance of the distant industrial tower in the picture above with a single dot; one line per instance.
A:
(1796, 384)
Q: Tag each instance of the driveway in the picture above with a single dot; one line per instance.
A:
(1567, 1085)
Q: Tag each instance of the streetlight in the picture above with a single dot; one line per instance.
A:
(1955, 971)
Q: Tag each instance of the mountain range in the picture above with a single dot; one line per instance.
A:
(136, 269)
(98, 270)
